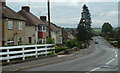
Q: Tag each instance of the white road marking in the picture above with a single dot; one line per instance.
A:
(115, 53)
(95, 69)
(113, 58)
(110, 61)
(106, 63)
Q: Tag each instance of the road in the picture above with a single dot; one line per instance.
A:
(104, 58)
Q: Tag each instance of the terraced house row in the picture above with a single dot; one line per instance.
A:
(23, 27)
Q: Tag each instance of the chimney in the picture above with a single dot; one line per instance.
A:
(26, 8)
(43, 18)
(3, 2)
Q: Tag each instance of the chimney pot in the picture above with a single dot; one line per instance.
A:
(43, 18)
(3, 2)
(26, 8)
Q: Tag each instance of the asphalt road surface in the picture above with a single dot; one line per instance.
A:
(104, 58)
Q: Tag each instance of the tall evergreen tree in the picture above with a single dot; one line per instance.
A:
(84, 26)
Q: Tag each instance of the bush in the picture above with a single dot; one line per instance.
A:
(73, 43)
(50, 40)
(114, 44)
(111, 39)
(58, 49)
(51, 53)
(118, 43)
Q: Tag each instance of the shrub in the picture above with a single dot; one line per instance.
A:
(73, 43)
(118, 43)
(51, 53)
(111, 39)
(114, 44)
(50, 40)
(58, 49)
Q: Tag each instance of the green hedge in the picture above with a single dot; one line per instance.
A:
(58, 49)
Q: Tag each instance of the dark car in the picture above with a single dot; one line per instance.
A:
(96, 42)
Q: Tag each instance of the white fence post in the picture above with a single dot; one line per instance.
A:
(46, 50)
(23, 49)
(8, 55)
(36, 52)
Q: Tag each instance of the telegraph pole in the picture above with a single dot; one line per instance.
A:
(49, 17)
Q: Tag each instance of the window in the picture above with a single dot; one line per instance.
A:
(10, 42)
(44, 29)
(40, 28)
(10, 24)
(20, 25)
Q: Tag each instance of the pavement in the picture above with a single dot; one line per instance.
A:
(47, 61)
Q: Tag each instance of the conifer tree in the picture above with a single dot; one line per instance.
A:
(84, 26)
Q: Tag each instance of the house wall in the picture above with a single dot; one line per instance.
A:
(59, 37)
(30, 32)
(53, 35)
(56, 35)
(14, 33)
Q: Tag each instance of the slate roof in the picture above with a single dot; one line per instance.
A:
(30, 18)
(9, 13)
(52, 26)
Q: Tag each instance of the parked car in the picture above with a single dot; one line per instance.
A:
(118, 47)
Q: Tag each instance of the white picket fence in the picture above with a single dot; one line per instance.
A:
(25, 51)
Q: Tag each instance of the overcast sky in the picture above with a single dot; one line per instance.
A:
(68, 14)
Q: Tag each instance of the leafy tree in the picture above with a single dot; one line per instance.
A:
(84, 26)
(107, 28)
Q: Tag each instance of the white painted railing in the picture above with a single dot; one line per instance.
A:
(8, 53)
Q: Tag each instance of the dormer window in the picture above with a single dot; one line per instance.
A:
(42, 28)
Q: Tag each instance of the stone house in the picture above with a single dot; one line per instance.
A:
(56, 32)
(35, 28)
(13, 27)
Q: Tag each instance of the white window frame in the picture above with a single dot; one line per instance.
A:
(44, 28)
(10, 42)
(20, 25)
(40, 28)
(10, 24)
